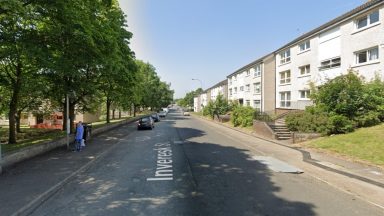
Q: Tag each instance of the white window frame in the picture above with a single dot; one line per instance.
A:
(257, 104)
(247, 102)
(306, 45)
(285, 99)
(230, 92)
(257, 70)
(285, 56)
(285, 77)
(257, 88)
(305, 94)
(305, 70)
(330, 63)
(248, 73)
(247, 88)
(368, 20)
(235, 90)
(370, 55)
(241, 88)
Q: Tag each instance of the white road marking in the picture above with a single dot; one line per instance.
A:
(277, 165)
(164, 168)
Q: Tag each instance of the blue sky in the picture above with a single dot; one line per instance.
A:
(210, 39)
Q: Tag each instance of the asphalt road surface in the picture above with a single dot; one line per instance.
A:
(187, 166)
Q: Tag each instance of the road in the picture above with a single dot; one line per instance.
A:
(187, 166)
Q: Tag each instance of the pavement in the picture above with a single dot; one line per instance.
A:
(28, 184)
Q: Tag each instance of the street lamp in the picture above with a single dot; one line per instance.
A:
(68, 129)
(0, 160)
(201, 83)
(68, 96)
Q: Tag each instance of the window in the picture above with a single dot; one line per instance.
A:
(241, 88)
(256, 88)
(257, 104)
(235, 78)
(285, 56)
(304, 70)
(367, 55)
(367, 20)
(285, 77)
(285, 99)
(330, 63)
(248, 72)
(257, 70)
(230, 92)
(248, 102)
(235, 90)
(304, 94)
(304, 46)
(230, 81)
(247, 88)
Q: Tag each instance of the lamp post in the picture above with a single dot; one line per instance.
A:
(70, 95)
(201, 83)
(67, 120)
(1, 160)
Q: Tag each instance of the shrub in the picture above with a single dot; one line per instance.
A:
(307, 122)
(371, 118)
(242, 116)
(339, 124)
(208, 110)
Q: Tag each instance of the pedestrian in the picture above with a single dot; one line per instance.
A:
(79, 136)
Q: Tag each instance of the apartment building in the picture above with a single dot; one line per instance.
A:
(352, 41)
(220, 88)
(200, 101)
(254, 84)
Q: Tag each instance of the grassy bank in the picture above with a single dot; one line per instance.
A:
(33, 136)
(366, 144)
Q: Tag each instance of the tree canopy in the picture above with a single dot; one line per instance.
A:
(78, 48)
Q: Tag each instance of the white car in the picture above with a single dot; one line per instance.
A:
(186, 113)
(165, 110)
(162, 114)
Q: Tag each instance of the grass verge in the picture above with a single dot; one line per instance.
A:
(33, 136)
(366, 144)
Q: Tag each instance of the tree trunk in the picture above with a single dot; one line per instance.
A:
(108, 109)
(65, 114)
(113, 113)
(18, 119)
(13, 104)
(134, 110)
(72, 116)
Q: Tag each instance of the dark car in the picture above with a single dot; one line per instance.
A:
(145, 123)
(155, 117)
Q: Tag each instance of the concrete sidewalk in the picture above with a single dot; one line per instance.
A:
(27, 184)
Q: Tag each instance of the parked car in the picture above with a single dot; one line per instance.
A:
(185, 113)
(162, 114)
(155, 117)
(145, 123)
(165, 110)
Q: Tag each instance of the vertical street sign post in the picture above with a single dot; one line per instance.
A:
(68, 120)
(1, 160)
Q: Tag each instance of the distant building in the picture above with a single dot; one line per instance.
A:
(254, 84)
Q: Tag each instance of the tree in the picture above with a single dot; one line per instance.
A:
(18, 28)
(188, 100)
(150, 91)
